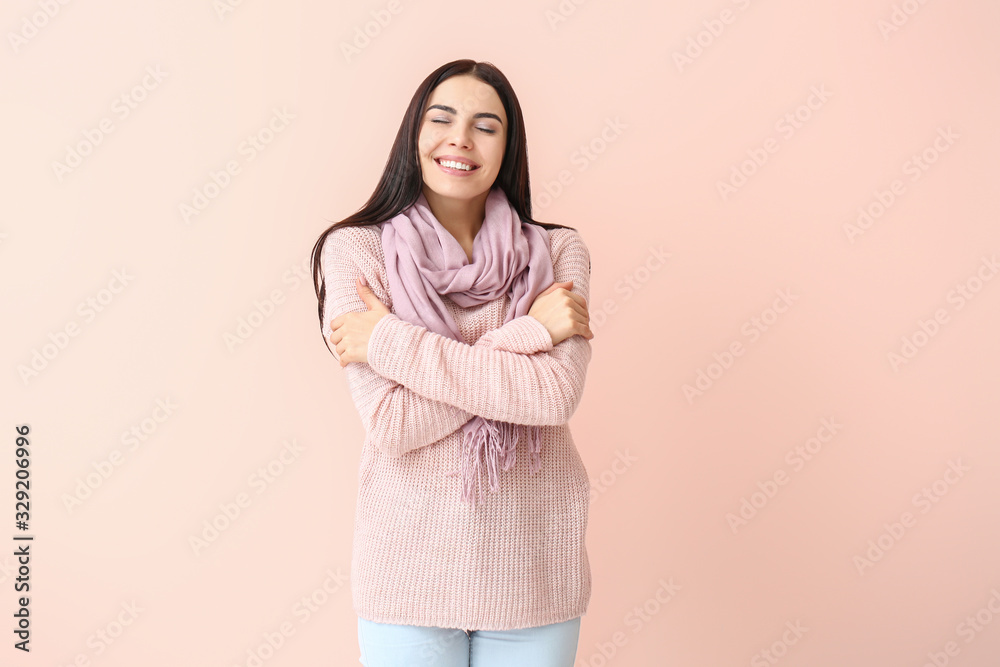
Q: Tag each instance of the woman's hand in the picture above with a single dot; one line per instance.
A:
(351, 331)
(562, 312)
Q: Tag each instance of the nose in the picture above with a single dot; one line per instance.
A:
(460, 136)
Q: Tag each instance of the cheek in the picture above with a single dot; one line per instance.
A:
(497, 156)
(426, 143)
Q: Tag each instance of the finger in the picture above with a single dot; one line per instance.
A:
(363, 290)
(583, 328)
(368, 296)
(581, 318)
(569, 291)
(577, 303)
(556, 285)
(564, 284)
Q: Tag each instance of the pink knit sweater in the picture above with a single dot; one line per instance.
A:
(420, 555)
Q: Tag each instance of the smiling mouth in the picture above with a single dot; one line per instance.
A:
(455, 165)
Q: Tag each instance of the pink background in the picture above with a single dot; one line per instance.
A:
(811, 111)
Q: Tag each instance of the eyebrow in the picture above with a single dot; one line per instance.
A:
(481, 114)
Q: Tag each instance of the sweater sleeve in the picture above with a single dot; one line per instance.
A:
(396, 419)
(543, 388)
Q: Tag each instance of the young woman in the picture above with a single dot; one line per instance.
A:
(463, 329)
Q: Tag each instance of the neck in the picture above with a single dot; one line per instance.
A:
(462, 217)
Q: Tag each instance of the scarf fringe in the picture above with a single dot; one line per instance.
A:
(497, 443)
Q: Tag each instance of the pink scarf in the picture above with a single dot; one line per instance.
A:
(423, 261)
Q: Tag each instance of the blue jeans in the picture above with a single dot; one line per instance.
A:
(388, 645)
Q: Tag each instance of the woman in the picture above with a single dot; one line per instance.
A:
(463, 328)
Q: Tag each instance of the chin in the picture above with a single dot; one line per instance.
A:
(456, 190)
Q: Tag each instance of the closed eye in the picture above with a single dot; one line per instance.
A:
(484, 129)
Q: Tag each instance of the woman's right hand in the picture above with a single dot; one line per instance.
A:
(562, 312)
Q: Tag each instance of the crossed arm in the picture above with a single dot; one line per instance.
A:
(419, 386)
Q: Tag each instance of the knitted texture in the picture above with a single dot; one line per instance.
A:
(420, 555)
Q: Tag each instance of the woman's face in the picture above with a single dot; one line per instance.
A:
(463, 121)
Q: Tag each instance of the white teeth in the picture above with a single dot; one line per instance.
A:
(455, 165)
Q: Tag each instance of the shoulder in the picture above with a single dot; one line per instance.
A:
(568, 245)
(356, 234)
(356, 241)
(563, 235)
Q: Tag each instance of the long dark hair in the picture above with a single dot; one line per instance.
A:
(401, 181)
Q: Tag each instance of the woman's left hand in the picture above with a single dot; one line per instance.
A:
(351, 331)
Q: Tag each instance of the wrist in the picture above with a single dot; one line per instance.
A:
(375, 339)
(540, 333)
